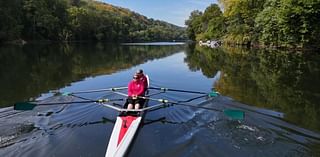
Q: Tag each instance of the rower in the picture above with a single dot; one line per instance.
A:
(142, 77)
(136, 88)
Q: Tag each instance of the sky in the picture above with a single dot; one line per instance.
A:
(172, 11)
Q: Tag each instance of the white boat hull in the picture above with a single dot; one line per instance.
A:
(122, 135)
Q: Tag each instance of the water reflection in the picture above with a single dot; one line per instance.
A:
(253, 77)
(26, 71)
(278, 80)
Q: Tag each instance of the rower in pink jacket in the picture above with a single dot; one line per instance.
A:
(136, 88)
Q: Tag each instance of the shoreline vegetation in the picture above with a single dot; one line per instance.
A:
(25, 21)
(292, 24)
(272, 24)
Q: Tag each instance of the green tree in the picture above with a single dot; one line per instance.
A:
(194, 24)
(10, 20)
(44, 19)
(291, 23)
(240, 15)
(213, 24)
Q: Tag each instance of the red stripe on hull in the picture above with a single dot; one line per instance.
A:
(126, 122)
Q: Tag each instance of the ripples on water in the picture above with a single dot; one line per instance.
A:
(258, 135)
(84, 130)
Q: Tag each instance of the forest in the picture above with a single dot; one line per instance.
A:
(79, 20)
(263, 23)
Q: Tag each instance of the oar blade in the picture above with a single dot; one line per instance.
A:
(213, 94)
(24, 106)
(234, 114)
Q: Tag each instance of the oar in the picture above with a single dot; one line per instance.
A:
(30, 105)
(177, 90)
(232, 113)
(90, 91)
(213, 93)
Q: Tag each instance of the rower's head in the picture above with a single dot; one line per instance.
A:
(140, 71)
(135, 77)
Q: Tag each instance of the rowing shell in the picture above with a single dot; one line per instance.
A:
(123, 132)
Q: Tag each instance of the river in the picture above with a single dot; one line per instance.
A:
(278, 91)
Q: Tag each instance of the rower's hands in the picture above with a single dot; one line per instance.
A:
(134, 97)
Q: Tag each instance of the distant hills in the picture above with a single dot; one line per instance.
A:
(80, 20)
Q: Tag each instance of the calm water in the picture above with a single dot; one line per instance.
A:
(278, 90)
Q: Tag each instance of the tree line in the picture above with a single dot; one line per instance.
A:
(69, 20)
(274, 23)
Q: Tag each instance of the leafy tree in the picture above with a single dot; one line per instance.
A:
(194, 24)
(289, 23)
(10, 20)
(213, 24)
(43, 19)
(240, 15)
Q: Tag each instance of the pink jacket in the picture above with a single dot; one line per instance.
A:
(136, 88)
(144, 80)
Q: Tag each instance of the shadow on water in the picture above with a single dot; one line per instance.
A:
(31, 69)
